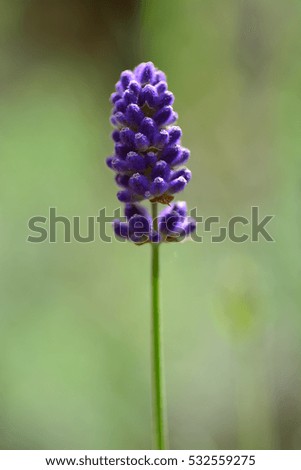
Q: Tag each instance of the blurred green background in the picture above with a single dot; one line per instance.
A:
(75, 318)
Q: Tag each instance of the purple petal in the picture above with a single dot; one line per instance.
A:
(177, 185)
(160, 76)
(149, 95)
(161, 87)
(161, 169)
(125, 78)
(183, 157)
(135, 87)
(135, 162)
(172, 224)
(150, 159)
(127, 136)
(129, 98)
(139, 184)
(134, 115)
(139, 228)
(121, 150)
(161, 138)
(182, 172)
(163, 116)
(133, 209)
(109, 161)
(120, 118)
(125, 196)
(120, 106)
(141, 142)
(147, 73)
(148, 128)
(166, 99)
(119, 165)
(121, 229)
(158, 186)
(175, 134)
(180, 207)
(171, 153)
(122, 180)
(116, 135)
(114, 97)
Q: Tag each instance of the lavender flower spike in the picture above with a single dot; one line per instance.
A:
(147, 153)
(148, 164)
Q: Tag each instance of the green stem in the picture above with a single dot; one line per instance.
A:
(157, 376)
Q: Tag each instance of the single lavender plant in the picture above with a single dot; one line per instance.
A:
(148, 163)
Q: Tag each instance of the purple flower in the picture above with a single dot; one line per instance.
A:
(147, 148)
(174, 225)
(138, 226)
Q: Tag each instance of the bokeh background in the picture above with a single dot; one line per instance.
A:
(75, 318)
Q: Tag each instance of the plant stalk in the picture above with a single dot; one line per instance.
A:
(159, 421)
